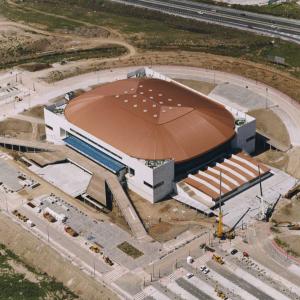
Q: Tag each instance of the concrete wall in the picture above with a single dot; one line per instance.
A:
(245, 136)
(160, 178)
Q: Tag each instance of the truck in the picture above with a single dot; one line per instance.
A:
(59, 217)
(49, 217)
(95, 248)
(207, 248)
(30, 204)
(71, 231)
(108, 260)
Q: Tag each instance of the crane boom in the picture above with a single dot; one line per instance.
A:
(220, 232)
(239, 220)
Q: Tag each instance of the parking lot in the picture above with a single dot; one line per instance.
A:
(106, 235)
(236, 276)
(11, 179)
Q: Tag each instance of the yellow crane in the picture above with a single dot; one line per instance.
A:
(220, 230)
(220, 233)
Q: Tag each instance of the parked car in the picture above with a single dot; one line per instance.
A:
(245, 254)
(189, 275)
(234, 251)
(202, 268)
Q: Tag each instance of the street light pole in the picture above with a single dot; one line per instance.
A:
(267, 97)
(6, 203)
(94, 265)
(48, 233)
(153, 270)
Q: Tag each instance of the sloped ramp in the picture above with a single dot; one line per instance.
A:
(96, 189)
(127, 208)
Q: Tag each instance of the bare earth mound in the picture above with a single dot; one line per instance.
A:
(167, 219)
(270, 124)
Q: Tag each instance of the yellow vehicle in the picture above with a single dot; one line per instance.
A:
(220, 294)
(218, 259)
(95, 249)
(71, 231)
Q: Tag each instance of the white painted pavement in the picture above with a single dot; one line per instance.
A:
(155, 293)
(269, 273)
(205, 287)
(257, 283)
(231, 286)
(175, 288)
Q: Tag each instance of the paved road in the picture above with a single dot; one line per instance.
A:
(46, 92)
(261, 249)
(239, 282)
(193, 290)
(263, 24)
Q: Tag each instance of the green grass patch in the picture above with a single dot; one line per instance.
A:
(33, 67)
(45, 59)
(280, 242)
(15, 286)
(286, 10)
(24, 14)
(163, 32)
(130, 250)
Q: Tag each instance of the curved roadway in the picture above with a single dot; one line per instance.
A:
(290, 109)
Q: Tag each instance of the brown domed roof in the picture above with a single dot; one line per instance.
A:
(152, 119)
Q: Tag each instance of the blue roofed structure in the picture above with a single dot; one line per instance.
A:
(94, 154)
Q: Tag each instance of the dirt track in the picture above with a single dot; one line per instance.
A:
(107, 36)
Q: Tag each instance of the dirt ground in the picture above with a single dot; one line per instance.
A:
(116, 217)
(36, 111)
(21, 129)
(293, 242)
(35, 253)
(265, 74)
(17, 42)
(16, 128)
(288, 162)
(269, 123)
(19, 268)
(160, 218)
(288, 212)
(200, 86)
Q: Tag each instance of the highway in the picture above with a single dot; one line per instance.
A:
(287, 29)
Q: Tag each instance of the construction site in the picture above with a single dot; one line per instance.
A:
(149, 160)
(204, 232)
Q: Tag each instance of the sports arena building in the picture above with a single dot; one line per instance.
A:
(153, 132)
